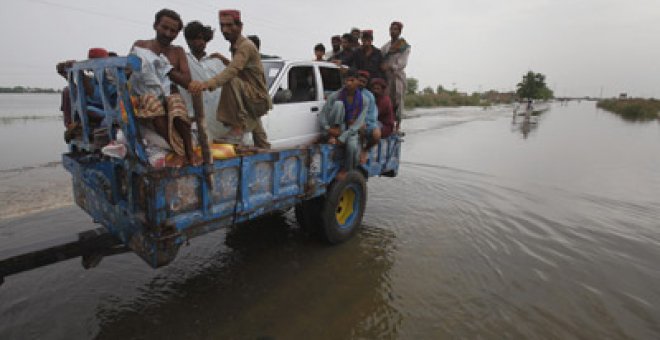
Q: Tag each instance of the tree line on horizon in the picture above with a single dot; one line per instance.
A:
(27, 89)
(532, 86)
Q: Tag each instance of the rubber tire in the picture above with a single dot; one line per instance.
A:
(330, 229)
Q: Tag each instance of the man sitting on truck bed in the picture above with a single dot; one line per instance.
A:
(342, 117)
(164, 66)
(244, 98)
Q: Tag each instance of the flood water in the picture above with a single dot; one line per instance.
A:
(493, 229)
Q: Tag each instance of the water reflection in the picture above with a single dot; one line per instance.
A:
(558, 236)
(269, 281)
(525, 121)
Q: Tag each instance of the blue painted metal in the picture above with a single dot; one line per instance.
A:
(154, 211)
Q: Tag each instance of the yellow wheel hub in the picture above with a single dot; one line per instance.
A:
(345, 206)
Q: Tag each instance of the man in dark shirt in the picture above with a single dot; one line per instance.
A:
(347, 55)
(368, 57)
(335, 41)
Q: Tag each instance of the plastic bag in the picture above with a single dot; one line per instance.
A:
(114, 149)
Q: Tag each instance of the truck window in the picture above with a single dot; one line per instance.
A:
(331, 80)
(302, 84)
(271, 70)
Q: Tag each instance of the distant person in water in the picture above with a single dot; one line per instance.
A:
(164, 66)
(395, 54)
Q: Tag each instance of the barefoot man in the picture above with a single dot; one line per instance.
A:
(163, 67)
(342, 117)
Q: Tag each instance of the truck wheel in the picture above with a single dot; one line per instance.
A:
(308, 215)
(343, 208)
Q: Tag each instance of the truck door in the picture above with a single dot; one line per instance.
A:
(331, 80)
(294, 118)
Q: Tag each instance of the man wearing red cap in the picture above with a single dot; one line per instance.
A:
(244, 98)
(97, 52)
(92, 93)
(395, 53)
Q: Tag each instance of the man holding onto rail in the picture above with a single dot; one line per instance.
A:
(244, 97)
(203, 67)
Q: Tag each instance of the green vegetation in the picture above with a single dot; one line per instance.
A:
(533, 86)
(411, 85)
(634, 109)
(428, 97)
(22, 89)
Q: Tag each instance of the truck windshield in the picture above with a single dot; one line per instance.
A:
(271, 69)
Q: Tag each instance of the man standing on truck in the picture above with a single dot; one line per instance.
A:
(395, 54)
(335, 42)
(244, 97)
(342, 117)
(203, 67)
(346, 57)
(368, 57)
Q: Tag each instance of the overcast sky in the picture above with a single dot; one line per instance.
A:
(582, 46)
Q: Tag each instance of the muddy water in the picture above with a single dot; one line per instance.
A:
(494, 229)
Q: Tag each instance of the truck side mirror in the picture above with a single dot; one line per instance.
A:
(282, 96)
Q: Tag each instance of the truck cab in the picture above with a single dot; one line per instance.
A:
(298, 90)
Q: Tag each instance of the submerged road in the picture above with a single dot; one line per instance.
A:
(492, 230)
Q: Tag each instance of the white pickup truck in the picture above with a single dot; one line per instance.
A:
(298, 89)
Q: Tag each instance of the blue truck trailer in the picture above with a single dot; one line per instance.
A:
(154, 211)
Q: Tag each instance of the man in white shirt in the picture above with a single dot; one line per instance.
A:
(203, 67)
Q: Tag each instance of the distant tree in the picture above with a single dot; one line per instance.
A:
(533, 86)
(411, 85)
(440, 89)
(428, 90)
